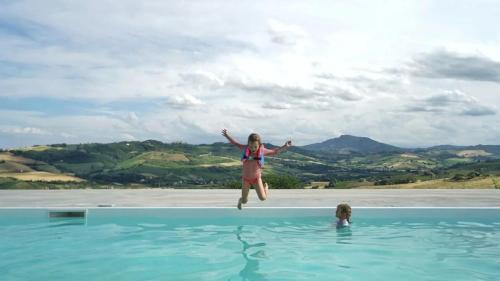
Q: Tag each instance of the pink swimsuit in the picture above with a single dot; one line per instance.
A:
(251, 169)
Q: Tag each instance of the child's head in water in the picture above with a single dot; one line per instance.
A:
(254, 142)
(343, 213)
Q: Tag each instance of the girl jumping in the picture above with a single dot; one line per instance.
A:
(253, 161)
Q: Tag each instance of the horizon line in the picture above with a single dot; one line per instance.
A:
(184, 142)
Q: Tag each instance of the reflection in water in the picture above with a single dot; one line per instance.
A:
(250, 271)
(344, 235)
(61, 222)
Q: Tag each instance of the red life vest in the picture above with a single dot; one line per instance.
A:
(258, 155)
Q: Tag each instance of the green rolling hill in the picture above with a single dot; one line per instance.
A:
(344, 162)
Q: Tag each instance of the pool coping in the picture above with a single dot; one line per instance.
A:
(227, 198)
(201, 207)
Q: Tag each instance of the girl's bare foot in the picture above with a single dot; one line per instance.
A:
(239, 204)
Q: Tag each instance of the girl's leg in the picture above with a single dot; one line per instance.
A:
(262, 189)
(245, 189)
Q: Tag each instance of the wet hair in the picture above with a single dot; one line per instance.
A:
(254, 137)
(344, 208)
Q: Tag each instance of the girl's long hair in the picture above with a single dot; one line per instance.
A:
(254, 137)
(344, 208)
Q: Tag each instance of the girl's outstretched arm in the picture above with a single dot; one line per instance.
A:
(231, 140)
(278, 149)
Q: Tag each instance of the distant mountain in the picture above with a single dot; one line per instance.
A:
(346, 144)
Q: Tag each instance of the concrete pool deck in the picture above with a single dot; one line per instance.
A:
(228, 198)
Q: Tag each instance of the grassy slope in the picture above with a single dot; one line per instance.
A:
(488, 182)
(25, 169)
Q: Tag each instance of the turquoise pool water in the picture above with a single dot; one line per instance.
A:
(252, 244)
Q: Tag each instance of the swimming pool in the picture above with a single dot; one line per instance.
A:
(252, 244)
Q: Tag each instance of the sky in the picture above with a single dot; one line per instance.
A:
(407, 73)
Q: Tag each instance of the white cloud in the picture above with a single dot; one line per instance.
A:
(203, 78)
(320, 66)
(277, 105)
(128, 137)
(285, 34)
(442, 64)
(25, 131)
(184, 101)
(248, 113)
(131, 117)
(451, 101)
